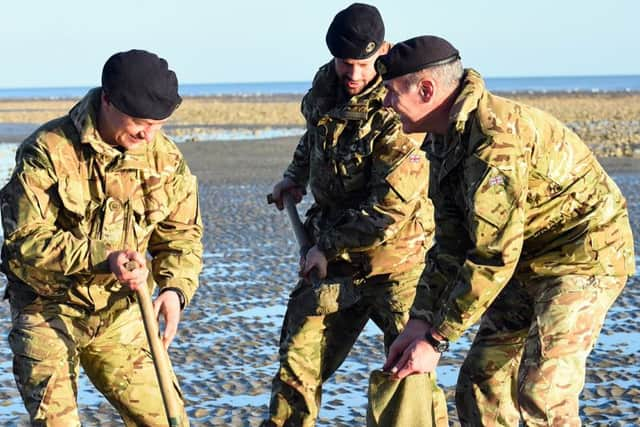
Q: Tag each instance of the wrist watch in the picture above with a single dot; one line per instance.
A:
(439, 345)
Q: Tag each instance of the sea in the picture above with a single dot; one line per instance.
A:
(569, 84)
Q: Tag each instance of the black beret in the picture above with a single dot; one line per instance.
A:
(356, 32)
(414, 55)
(140, 84)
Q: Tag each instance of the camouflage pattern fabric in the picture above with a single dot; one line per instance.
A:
(533, 343)
(50, 340)
(518, 198)
(72, 198)
(368, 179)
(312, 347)
(516, 194)
(373, 221)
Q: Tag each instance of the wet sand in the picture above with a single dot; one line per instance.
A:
(226, 351)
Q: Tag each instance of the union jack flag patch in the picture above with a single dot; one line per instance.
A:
(496, 180)
(414, 158)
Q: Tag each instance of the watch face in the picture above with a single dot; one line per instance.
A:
(442, 346)
(439, 346)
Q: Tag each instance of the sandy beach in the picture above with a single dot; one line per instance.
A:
(608, 122)
(226, 351)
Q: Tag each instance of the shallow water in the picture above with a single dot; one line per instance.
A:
(12, 132)
(225, 354)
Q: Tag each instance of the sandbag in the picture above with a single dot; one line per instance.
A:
(415, 401)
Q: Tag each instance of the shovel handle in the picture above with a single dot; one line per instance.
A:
(158, 354)
(298, 228)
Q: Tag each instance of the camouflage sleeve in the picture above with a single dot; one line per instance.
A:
(444, 259)
(397, 190)
(176, 243)
(496, 191)
(298, 169)
(37, 250)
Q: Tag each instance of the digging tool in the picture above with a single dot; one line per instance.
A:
(158, 354)
(301, 234)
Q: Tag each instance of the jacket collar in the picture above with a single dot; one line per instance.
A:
(84, 116)
(473, 88)
(449, 150)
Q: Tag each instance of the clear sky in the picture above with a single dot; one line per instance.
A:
(65, 42)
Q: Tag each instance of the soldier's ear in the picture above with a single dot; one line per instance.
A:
(384, 48)
(426, 90)
(104, 99)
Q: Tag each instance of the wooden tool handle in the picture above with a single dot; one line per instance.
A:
(159, 355)
(304, 243)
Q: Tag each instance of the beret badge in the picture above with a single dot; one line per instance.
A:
(370, 47)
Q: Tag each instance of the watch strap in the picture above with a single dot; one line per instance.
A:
(438, 345)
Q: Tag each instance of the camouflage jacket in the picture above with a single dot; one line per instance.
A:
(368, 179)
(516, 194)
(72, 198)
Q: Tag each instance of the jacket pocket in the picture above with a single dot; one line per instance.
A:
(354, 166)
(30, 344)
(70, 192)
(492, 201)
(410, 177)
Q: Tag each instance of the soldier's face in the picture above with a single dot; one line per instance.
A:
(355, 74)
(118, 128)
(408, 101)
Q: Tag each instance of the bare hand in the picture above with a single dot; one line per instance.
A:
(410, 353)
(131, 278)
(168, 305)
(287, 185)
(315, 259)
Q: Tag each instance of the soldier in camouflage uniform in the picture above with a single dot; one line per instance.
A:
(532, 238)
(371, 221)
(91, 191)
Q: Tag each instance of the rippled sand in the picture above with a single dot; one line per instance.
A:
(226, 351)
(609, 123)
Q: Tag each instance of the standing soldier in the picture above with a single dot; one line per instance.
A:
(533, 239)
(370, 224)
(92, 191)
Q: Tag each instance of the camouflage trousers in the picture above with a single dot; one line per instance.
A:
(527, 362)
(313, 346)
(50, 340)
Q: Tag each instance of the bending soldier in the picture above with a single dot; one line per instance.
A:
(532, 238)
(91, 191)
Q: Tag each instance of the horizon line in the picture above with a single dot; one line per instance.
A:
(83, 86)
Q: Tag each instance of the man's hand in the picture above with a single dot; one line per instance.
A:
(287, 185)
(131, 278)
(315, 259)
(168, 305)
(410, 353)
